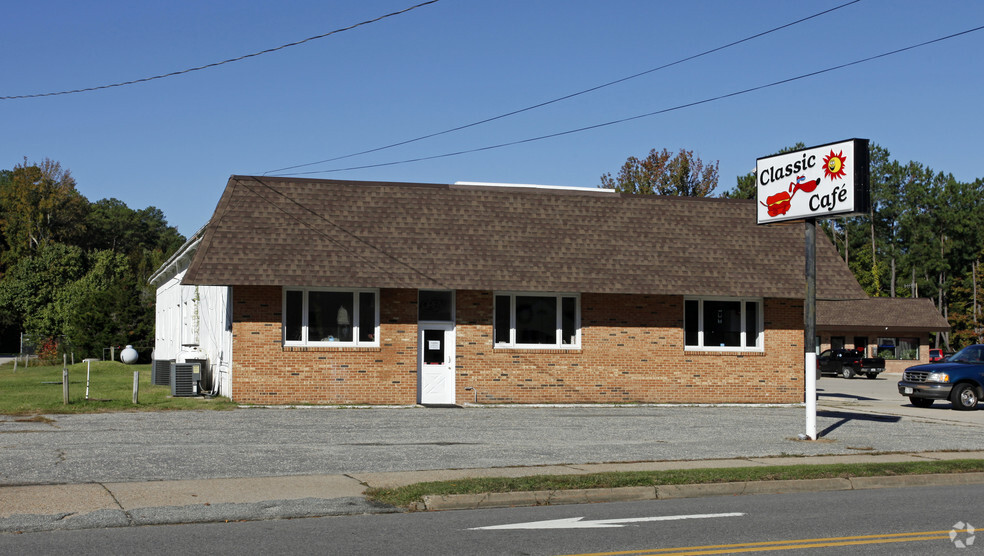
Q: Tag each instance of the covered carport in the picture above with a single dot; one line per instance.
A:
(899, 329)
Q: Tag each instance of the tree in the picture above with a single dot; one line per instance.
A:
(34, 291)
(113, 225)
(107, 306)
(76, 269)
(663, 173)
(39, 204)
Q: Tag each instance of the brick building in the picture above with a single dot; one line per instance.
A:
(391, 293)
(895, 328)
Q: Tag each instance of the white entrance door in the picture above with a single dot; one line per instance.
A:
(435, 364)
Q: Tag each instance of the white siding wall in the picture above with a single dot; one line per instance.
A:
(194, 319)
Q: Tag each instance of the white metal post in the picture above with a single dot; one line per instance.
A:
(810, 330)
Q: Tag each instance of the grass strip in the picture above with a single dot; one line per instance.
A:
(406, 495)
(37, 390)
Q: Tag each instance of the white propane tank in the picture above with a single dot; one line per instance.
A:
(128, 355)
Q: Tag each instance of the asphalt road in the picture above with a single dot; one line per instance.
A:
(856, 416)
(880, 521)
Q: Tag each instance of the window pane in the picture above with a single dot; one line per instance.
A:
(908, 348)
(722, 324)
(293, 316)
(433, 347)
(569, 320)
(751, 324)
(691, 314)
(502, 319)
(886, 348)
(434, 305)
(536, 320)
(861, 343)
(837, 342)
(367, 317)
(330, 316)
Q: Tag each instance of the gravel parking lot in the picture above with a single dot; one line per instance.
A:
(854, 416)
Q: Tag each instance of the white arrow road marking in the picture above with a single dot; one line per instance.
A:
(577, 523)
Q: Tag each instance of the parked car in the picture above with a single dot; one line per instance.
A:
(848, 363)
(935, 355)
(959, 378)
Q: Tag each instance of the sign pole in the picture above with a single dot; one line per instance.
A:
(802, 185)
(810, 329)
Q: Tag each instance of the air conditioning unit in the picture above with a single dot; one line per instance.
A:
(160, 372)
(184, 379)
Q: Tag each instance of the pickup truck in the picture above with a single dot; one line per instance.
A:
(848, 363)
(959, 378)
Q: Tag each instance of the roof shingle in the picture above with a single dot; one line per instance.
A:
(881, 313)
(303, 232)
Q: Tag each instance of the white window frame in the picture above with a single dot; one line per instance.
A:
(356, 318)
(558, 337)
(760, 323)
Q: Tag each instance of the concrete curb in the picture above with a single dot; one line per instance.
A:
(669, 492)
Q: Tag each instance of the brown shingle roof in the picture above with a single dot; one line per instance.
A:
(879, 313)
(288, 231)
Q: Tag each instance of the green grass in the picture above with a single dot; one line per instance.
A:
(407, 495)
(38, 390)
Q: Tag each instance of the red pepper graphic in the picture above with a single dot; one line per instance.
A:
(778, 203)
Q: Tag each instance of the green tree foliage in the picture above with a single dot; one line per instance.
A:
(113, 225)
(39, 204)
(35, 290)
(73, 269)
(109, 306)
(663, 173)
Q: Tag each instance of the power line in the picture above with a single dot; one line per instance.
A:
(646, 115)
(229, 61)
(568, 96)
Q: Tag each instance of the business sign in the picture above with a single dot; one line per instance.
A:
(818, 182)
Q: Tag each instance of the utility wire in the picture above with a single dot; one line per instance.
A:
(229, 61)
(646, 115)
(571, 95)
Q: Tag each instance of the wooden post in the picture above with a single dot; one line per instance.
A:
(65, 385)
(136, 385)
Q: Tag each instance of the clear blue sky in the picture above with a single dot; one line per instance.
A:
(173, 143)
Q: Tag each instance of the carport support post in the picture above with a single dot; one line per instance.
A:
(810, 329)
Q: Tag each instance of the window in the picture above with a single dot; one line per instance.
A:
(861, 343)
(435, 306)
(898, 348)
(323, 317)
(537, 320)
(722, 324)
(837, 342)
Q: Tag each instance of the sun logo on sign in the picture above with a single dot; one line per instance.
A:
(833, 165)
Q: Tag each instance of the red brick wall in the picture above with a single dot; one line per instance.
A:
(632, 351)
(264, 371)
